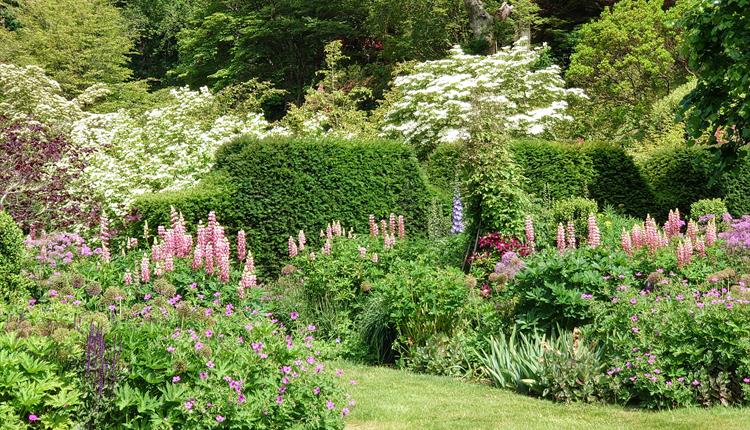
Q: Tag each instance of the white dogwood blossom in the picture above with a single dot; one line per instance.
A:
(27, 92)
(437, 102)
(130, 152)
(166, 148)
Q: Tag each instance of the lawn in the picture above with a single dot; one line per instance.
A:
(390, 399)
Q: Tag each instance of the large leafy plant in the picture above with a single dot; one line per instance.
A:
(34, 386)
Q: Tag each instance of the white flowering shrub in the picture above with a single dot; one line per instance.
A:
(166, 148)
(439, 99)
(28, 92)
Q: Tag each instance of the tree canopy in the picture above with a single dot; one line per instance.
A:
(716, 42)
(79, 42)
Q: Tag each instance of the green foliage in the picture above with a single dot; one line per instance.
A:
(151, 394)
(716, 37)
(33, 382)
(573, 369)
(617, 180)
(554, 170)
(550, 290)
(12, 284)
(11, 244)
(78, 42)
(735, 184)
(576, 209)
(195, 202)
(660, 125)
(679, 175)
(281, 42)
(514, 361)
(687, 347)
(626, 60)
(416, 29)
(447, 355)
(443, 167)
(334, 107)
(561, 366)
(347, 293)
(438, 222)
(602, 172)
(157, 24)
(423, 301)
(182, 337)
(498, 200)
(715, 207)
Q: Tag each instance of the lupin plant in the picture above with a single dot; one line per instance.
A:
(594, 237)
(571, 235)
(529, 233)
(561, 243)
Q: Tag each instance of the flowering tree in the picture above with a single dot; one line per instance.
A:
(166, 148)
(39, 167)
(28, 91)
(437, 101)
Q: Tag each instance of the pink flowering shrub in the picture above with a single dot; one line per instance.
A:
(680, 344)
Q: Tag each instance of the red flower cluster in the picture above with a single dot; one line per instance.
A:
(497, 243)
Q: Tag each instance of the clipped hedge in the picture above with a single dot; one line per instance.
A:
(211, 194)
(679, 175)
(442, 167)
(12, 283)
(617, 181)
(553, 170)
(735, 184)
(275, 187)
(603, 172)
(11, 244)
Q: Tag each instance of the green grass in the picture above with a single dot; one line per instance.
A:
(393, 399)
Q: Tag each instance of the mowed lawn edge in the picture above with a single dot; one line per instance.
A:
(389, 399)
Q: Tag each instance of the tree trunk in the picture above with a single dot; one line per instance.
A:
(482, 24)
